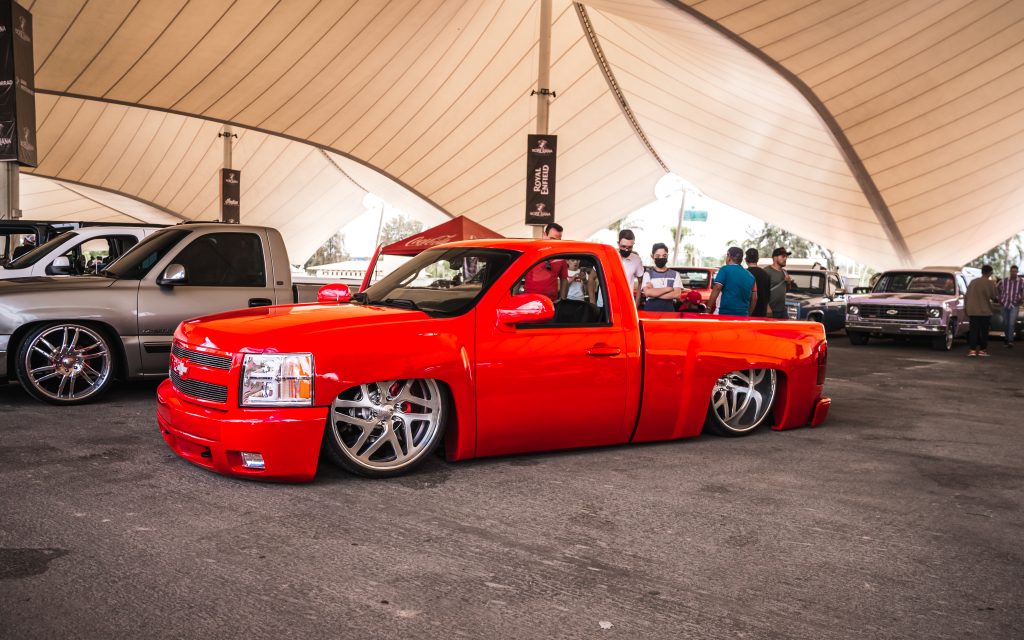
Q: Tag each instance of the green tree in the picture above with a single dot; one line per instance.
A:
(398, 228)
(765, 240)
(1002, 256)
(332, 250)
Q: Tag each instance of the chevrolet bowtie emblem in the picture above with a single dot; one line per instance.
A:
(892, 312)
(181, 368)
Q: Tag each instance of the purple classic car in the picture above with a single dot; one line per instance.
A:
(927, 303)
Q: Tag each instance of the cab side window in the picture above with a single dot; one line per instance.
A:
(224, 260)
(573, 282)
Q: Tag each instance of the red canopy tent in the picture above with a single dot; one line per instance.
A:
(458, 228)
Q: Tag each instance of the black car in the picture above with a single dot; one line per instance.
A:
(818, 295)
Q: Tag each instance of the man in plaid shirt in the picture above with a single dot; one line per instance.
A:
(1011, 291)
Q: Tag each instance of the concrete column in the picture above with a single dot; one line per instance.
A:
(10, 194)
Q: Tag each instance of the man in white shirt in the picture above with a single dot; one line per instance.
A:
(632, 263)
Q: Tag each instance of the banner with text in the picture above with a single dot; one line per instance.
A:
(230, 195)
(17, 85)
(540, 179)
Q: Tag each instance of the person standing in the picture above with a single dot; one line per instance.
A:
(778, 281)
(981, 293)
(1011, 292)
(762, 282)
(735, 285)
(551, 277)
(661, 286)
(632, 263)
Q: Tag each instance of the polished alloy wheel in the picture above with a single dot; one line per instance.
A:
(741, 400)
(65, 363)
(383, 428)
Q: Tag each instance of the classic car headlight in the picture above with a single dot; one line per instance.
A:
(934, 312)
(853, 310)
(792, 311)
(275, 379)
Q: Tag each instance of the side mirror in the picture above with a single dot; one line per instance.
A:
(61, 266)
(526, 308)
(172, 275)
(333, 293)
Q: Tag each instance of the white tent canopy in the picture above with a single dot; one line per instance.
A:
(888, 131)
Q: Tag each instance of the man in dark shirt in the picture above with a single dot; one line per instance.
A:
(762, 283)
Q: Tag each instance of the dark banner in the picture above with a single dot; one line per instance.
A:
(230, 195)
(8, 100)
(540, 179)
(24, 84)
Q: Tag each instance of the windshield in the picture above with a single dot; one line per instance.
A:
(441, 282)
(694, 278)
(136, 263)
(40, 252)
(809, 282)
(909, 282)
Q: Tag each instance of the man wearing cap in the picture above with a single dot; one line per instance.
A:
(763, 284)
(778, 281)
(735, 285)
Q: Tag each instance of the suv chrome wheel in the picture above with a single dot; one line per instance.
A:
(741, 400)
(385, 428)
(65, 363)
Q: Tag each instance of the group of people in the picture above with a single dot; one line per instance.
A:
(981, 293)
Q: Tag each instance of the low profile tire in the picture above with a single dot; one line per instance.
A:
(65, 363)
(387, 428)
(945, 341)
(740, 401)
(857, 337)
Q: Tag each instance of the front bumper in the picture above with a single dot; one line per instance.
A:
(287, 438)
(894, 328)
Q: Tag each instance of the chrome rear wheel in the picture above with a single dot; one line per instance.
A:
(741, 400)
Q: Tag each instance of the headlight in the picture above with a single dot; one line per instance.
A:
(853, 310)
(934, 312)
(275, 379)
(792, 312)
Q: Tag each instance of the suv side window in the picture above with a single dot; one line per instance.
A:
(224, 260)
(585, 281)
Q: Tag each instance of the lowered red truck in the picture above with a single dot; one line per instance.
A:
(450, 351)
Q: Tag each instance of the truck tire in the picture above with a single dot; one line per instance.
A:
(386, 428)
(945, 341)
(740, 401)
(857, 337)
(65, 363)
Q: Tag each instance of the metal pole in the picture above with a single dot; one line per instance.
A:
(543, 78)
(9, 191)
(679, 229)
(227, 135)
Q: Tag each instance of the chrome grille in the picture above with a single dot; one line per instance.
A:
(884, 312)
(204, 359)
(199, 389)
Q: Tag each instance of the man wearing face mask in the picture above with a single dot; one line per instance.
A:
(661, 286)
(632, 263)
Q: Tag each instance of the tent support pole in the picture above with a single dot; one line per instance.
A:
(543, 79)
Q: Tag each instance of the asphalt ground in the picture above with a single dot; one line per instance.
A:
(901, 517)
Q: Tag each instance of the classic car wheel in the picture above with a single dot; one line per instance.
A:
(741, 400)
(386, 428)
(857, 337)
(65, 363)
(945, 341)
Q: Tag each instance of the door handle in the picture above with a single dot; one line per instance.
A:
(603, 350)
(260, 302)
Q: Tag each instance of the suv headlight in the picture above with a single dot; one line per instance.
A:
(792, 311)
(934, 312)
(853, 310)
(277, 379)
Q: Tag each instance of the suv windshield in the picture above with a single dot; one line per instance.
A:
(909, 282)
(441, 282)
(809, 282)
(136, 263)
(37, 254)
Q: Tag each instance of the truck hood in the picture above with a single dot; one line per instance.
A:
(52, 284)
(900, 298)
(283, 328)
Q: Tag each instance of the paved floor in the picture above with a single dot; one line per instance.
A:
(900, 518)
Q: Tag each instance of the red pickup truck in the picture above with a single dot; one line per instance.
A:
(464, 346)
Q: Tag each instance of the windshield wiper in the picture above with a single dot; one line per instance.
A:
(404, 303)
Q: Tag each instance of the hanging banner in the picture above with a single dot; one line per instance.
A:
(540, 179)
(17, 86)
(230, 195)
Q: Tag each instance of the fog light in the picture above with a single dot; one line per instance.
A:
(252, 460)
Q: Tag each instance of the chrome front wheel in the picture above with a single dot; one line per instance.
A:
(386, 428)
(741, 400)
(65, 363)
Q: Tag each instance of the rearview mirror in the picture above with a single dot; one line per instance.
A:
(61, 266)
(526, 308)
(172, 275)
(334, 292)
